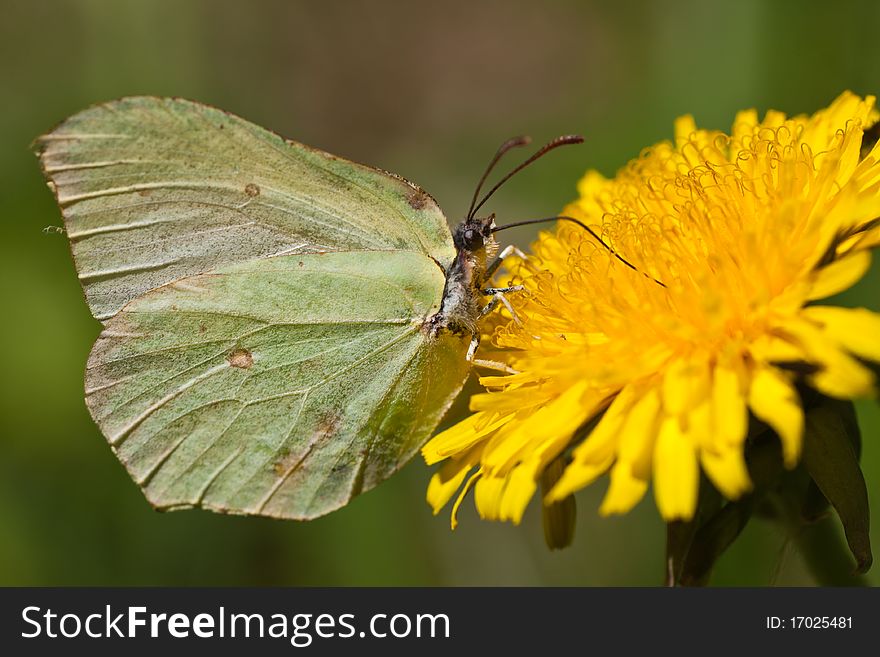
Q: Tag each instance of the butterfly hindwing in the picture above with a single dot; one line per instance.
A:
(156, 189)
(263, 303)
(281, 386)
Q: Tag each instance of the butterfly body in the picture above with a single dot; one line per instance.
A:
(462, 302)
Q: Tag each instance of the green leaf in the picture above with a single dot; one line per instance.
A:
(814, 504)
(829, 455)
(712, 539)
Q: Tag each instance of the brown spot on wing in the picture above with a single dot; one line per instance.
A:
(252, 189)
(326, 429)
(417, 198)
(286, 462)
(241, 358)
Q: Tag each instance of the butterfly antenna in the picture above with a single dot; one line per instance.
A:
(513, 142)
(559, 141)
(528, 222)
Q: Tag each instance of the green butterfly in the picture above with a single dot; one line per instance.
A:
(283, 328)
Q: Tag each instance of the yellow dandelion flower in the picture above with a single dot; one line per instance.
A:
(733, 238)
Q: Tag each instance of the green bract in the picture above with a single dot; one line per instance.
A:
(263, 302)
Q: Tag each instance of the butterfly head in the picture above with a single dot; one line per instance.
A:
(475, 234)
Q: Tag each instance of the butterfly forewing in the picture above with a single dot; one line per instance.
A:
(157, 189)
(282, 386)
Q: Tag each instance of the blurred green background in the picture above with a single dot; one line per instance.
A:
(425, 90)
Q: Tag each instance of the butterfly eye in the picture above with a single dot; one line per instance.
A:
(468, 237)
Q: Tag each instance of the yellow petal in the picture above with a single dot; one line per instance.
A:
(558, 418)
(868, 239)
(434, 450)
(840, 275)
(856, 329)
(776, 349)
(684, 385)
(775, 401)
(577, 475)
(591, 184)
(730, 417)
(596, 453)
(496, 381)
(487, 496)
(453, 517)
(521, 486)
(744, 124)
(868, 171)
(773, 118)
(510, 401)
(624, 492)
(462, 436)
(685, 126)
(849, 155)
(444, 483)
(448, 478)
(827, 225)
(727, 471)
(676, 472)
(697, 426)
(840, 374)
(638, 432)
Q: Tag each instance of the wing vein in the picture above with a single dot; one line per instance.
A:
(131, 426)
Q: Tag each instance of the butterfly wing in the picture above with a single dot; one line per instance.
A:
(280, 386)
(157, 189)
(262, 302)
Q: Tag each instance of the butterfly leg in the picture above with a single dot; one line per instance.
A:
(501, 290)
(507, 251)
(498, 297)
(495, 365)
(472, 348)
(482, 362)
